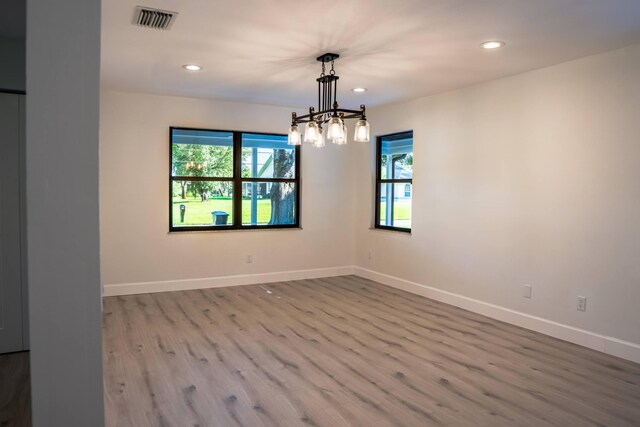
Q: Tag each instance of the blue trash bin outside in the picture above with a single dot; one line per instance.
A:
(220, 217)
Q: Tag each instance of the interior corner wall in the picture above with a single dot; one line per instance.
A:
(530, 179)
(134, 197)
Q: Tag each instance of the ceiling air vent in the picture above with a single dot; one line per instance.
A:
(154, 18)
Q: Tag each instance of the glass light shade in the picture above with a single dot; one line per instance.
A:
(343, 140)
(311, 132)
(362, 131)
(319, 143)
(294, 135)
(335, 129)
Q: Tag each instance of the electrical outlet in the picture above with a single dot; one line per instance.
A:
(526, 291)
(582, 303)
(249, 259)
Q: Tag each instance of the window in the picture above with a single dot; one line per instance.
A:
(394, 181)
(232, 180)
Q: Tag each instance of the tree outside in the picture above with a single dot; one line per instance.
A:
(283, 193)
(203, 161)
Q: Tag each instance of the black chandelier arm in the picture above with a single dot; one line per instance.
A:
(348, 114)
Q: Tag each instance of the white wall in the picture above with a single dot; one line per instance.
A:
(63, 70)
(528, 179)
(12, 71)
(134, 160)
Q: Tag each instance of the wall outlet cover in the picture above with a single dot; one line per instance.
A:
(582, 303)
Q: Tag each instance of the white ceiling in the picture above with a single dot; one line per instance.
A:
(264, 50)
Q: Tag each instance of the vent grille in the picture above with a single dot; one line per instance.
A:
(154, 18)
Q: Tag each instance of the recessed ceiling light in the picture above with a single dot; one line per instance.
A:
(359, 89)
(492, 44)
(192, 67)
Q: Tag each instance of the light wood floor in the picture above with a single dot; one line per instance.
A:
(346, 351)
(15, 390)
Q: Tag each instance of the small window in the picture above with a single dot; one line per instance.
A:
(394, 181)
(232, 180)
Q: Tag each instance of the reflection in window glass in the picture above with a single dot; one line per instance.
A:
(267, 156)
(396, 156)
(201, 153)
(202, 203)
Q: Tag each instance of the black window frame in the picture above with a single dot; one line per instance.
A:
(380, 181)
(237, 181)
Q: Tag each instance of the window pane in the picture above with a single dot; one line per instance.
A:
(202, 203)
(268, 203)
(267, 156)
(396, 153)
(395, 205)
(201, 153)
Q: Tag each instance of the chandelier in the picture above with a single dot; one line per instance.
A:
(329, 114)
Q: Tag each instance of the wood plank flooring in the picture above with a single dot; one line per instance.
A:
(15, 390)
(346, 351)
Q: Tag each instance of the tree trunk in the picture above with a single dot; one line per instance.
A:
(282, 193)
(282, 203)
(183, 186)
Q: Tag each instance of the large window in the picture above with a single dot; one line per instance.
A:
(233, 180)
(394, 181)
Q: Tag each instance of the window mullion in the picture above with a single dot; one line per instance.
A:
(237, 179)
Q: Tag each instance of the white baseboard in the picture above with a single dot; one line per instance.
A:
(218, 282)
(613, 346)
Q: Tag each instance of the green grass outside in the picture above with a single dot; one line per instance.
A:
(401, 210)
(199, 213)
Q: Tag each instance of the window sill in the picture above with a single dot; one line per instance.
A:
(393, 230)
(233, 230)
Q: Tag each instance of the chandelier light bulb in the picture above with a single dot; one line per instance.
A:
(311, 132)
(362, 131)
(335, 130)
(319, 142)
(343, 140)
(294, 135)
